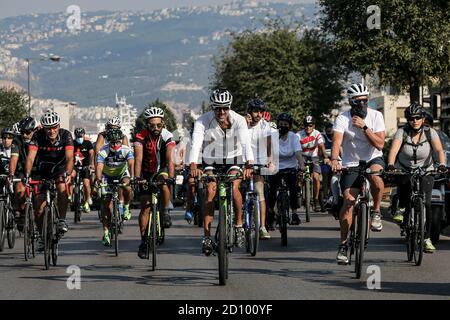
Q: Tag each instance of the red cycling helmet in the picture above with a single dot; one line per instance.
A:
(266, 116)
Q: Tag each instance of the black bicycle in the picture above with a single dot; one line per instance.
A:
(78, 194)
(7, 221)
(360, 231)
(30, 234)
(198, 203)
(283, 202)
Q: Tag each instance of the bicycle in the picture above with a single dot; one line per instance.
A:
(252, 215)
(360, 231)
(111, 191)
(78, 194)
(197, 203)
(224, 236)
(155, 230)
(30, 234)
(7, 220)
(414, 226)
(307, 188)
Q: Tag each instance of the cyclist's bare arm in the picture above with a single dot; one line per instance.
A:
(437, 147)
(99, 143)
(91, 158)
(125, 141)
(300, 160)
(324, 152)
(336, 148)
(395, 148)
(99, 171)
(13, 164)
(69, 161)
(131, 167)
(30, 160)
(169, 160)
(138, 154)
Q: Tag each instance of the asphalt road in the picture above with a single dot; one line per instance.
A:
(306, 269)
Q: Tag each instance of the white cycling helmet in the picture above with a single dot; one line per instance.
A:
(154, 112)
(114, 121)
(356, 90)
(50, 119)
(221, 98)
(15, 128)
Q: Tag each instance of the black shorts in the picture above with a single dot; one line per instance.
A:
(350, 179)
(84, 173)
(143, 190)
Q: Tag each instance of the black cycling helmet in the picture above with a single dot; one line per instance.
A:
(27, 124)
(256, 104)
(79, 132)
(328, 125)
(414, 109)
(308, 120)
(6, 131)
(285, 116)
(114, 135)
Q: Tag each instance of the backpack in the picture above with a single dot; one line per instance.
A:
(427, 131)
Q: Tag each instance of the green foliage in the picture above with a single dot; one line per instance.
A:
(293, 73)
(410, 49)
(169, 118)
(13, 107)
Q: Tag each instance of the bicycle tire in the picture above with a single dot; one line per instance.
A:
(26, 233)
(361, 236)
(222, 245)
(11, 235)
(254, 228)
(46, 236)
(283, 213)
(76, 204)
(201, 207)
(419, 231)
(154, 234)
(116, 227)
(308, 182)
(351, 244)
(2, 225)
(54, 240)
(410, 237)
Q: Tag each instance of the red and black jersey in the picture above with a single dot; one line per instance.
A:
(81, 153)
(154, 153)
(48, 152)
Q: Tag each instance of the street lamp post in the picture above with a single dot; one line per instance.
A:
(44, 57)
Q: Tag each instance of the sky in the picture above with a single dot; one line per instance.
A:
(20, 7)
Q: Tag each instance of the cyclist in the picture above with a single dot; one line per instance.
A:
(115, 161)
(290, 159)
(261, 139)
(52, 148)
(5, 150)
(189, 180)
(19, 151)
(411, 148)
(311, 141)
(360, 132)
(84, 161)
(154, 147)
(113, 123)
(223, 136)
(325, 168)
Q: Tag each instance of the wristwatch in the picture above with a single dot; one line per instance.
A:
(365, 128)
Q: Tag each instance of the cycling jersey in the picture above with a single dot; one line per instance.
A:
(287, 150)
(259, 134)
(218, 144)
(310, 143)
(115, 163)
(19, 149)
(51, 156)
(5, 156)
(81, 153)
(355, 144)
(154, 149)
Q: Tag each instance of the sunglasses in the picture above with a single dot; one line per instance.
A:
(115, 143)
(157, 126)
(309, 125)
(27, 132)
(51, 128)
(221, 109)
(414, 118)
(7, 137)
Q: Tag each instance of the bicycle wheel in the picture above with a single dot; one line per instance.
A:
(222, 245)
(361, 235)
(283, 213)
(2, 225)
(409, 236)
(308, 198)
(11, 230)
(47, 237)
(76, 204)
(115, 223)
(27, 232)
(201, 207)
(253, 230)
(154, 234)
(351, 243)
(418, 231)
(54, 240)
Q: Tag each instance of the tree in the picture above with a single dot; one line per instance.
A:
(169, 118)
(409, 49)
(13, 106)
(289, 72)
